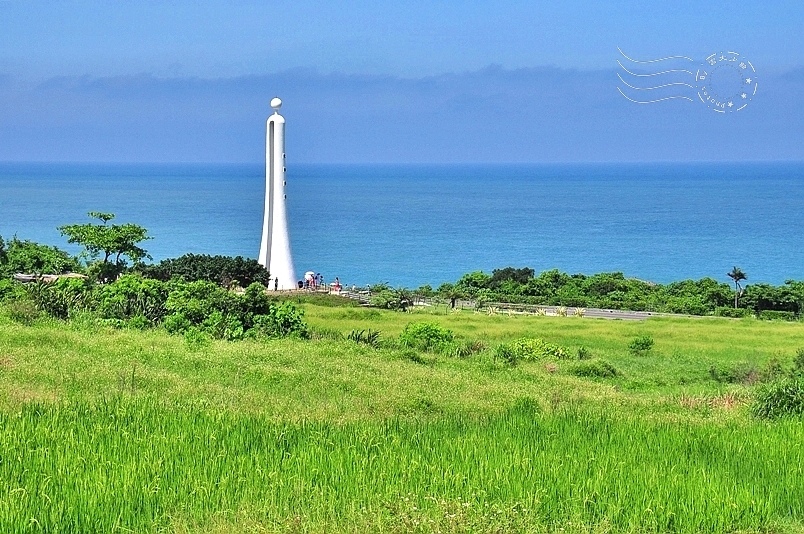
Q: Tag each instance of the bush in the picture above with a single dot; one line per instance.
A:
(506, 353)
(23, 311)
(7, 289)
(197, 300)
(368, 337)
(132, 296)
(739, 373)
(220, 270)
(425, 336)
(464, 348)
(775, 315)
(584, 353)
(641, 345)
(392, 299)
(594, 369)
(226, 315)
(282, 320)
(529, 349)
(138, 322)
(222, 326)
(176, 323)
(58, 299)
(535, 349)
(780, 398)
(737, 313)
(34, 258)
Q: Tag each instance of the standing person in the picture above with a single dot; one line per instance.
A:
(276, 284)
(337, 284)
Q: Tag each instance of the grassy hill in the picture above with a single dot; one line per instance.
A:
(106, 429)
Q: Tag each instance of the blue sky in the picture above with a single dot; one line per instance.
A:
(386, 82)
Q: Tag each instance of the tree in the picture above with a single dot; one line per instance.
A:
(520, 276)
(223, 270)
(113, 242)
(738, 276)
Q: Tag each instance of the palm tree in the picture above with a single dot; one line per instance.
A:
(737, 275)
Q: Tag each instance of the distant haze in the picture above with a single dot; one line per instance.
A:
(417, 82)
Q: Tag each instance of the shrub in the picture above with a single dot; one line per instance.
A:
(196, 339)
(739, 373)
(132, 295)
(425, 336)
(176, 323)
(61, 297)
(726, 311)
(220, 270)
(8, 289)
(138, 322)
(780, 398)
(464, 349)
(506, 353)
(226, 315)
(641, 345)
(776, 315)
(584, 353)
(392, 299)
(222, 326)
(367, 337)
(594, 369)
(197, 300)
(281, 320)
(535, 349)
(34, 258)
(529, 349)
(23, 311)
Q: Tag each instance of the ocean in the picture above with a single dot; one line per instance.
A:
(410, 225)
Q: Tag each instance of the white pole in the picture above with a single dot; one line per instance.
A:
(275, 252)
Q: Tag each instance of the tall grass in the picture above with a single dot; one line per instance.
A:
(137, 465)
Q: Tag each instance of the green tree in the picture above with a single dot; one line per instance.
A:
(737, 275)
(112, 242)
(223, 270)
(34, 258)
(520, 276)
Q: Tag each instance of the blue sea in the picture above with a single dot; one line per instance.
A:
(409, 225)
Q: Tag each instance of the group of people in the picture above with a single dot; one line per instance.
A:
(315, 281)
(312, 281)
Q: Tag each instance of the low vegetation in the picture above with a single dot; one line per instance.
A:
(182, 398)
(706, 296)
(379, 423)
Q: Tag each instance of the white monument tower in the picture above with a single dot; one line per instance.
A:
(275, 246)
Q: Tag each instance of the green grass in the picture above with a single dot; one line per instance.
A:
(145, 465)
(124, 430)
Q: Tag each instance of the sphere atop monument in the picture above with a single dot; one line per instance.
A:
(276, 103)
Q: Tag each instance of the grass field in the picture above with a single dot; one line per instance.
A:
(138, 431)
